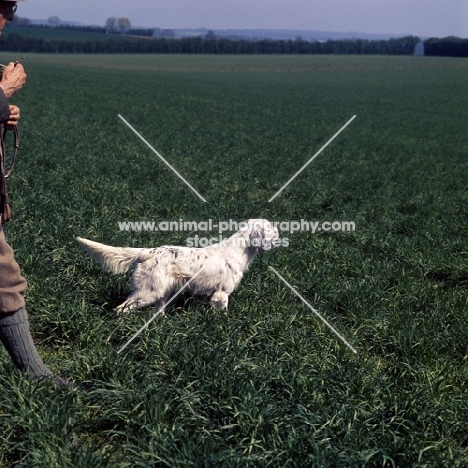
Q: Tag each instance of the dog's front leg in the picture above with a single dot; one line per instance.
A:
(137, 302)
(220, 300)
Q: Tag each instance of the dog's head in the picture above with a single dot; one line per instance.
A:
(261, 234)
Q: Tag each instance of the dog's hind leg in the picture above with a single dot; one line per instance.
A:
(147, 290)
(220, 300)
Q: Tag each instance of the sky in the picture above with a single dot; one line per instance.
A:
(437, 18)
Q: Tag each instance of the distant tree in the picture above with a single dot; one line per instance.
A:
(167, 33)
(123, 25)
(210, 35)
(53, 21)
(448, 46)
(111, 24)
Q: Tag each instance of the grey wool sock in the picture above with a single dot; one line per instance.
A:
(16, 337)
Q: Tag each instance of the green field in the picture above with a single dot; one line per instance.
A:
(267, 384)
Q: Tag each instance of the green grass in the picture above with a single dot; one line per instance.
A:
(268, 384)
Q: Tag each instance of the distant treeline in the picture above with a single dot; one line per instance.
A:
(200, 45)
(26, 23)
(98, 29)
(163, 41)
(447, 47)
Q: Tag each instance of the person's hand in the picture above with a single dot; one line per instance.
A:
(13, 79)
(14, 117)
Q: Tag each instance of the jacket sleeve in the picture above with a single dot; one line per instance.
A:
(4, 108)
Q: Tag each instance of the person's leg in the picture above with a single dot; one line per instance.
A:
(14, 324)
(12, 283)
(16, 337)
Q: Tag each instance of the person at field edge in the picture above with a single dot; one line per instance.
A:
(14, 324)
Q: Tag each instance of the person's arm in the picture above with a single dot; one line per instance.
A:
(13, 79)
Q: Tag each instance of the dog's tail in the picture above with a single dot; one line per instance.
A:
(114, 259)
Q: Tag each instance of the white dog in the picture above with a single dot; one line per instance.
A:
(160, 272)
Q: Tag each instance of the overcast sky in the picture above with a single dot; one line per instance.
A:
(418, 17)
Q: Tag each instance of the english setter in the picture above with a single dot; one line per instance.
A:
(160, 272)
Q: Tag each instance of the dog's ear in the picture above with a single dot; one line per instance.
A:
(263, 235)
(270, 235)
(256, 238)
